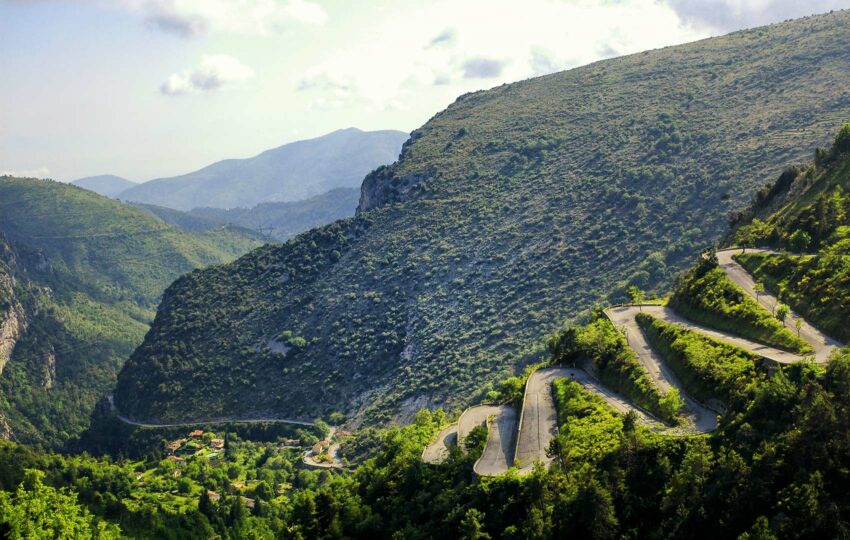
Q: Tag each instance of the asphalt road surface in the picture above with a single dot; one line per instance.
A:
(498, 455)
(820, 342)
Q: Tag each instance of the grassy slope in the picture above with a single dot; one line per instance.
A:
(89, 272)
(531, 202)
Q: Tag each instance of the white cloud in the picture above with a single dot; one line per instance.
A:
(40, 172)
(483, 68)
(187, 18)
(446, 37)
(455, 47)
(727, 15)
(213, 72)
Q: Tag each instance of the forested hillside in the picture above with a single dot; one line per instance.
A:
(80, 278)
(511, 211)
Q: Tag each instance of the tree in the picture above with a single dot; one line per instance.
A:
(670, 404)
(470, 526)
(759, 289)
(799, 241)
(798, 324)
(636, 295)
(39, 511)
(205, 505)
(782, 312)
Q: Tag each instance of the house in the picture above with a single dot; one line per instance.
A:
(343, 433)
(217, 444)
(197, 434)
(213, 496)
(320, 446)
(173, 446)
(176, 460)
(248, 502)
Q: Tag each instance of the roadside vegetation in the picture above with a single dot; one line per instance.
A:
(602, 344)
(707, 368)
(706, 295)
(589, 430)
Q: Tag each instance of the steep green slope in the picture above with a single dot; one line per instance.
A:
(83, 276)
(512, 209)
(813, 216)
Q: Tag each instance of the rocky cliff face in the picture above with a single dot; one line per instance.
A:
(386, 185)
(12, 320)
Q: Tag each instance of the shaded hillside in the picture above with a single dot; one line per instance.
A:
(81, 275)
(283, 220)
(107, 185)
(512, 209)
(291, 172)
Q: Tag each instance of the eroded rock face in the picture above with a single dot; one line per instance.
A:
(5, 429)
(48, 378)
(382, 186)
(12, 321)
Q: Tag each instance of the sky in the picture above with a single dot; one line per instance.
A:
(153, 88)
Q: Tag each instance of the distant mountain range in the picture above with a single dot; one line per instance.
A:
(292, 172)
(107, 185)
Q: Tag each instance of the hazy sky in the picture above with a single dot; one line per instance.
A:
(147, 88)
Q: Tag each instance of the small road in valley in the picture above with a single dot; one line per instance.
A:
(212, 421)
(309, 457)
(820, 342)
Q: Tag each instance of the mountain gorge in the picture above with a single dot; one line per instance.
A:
(80, 278)
(513, 210)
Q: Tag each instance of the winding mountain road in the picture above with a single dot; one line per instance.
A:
(699, 418)
(437, 452)
(498, 455)
(539, 419)
(625, 316)
(820, 342)
(538, 423)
